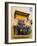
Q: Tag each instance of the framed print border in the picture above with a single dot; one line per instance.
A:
(6, 22)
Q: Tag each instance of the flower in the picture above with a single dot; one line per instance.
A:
(30, 17)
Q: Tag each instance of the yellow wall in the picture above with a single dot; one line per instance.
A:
(20, 17)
